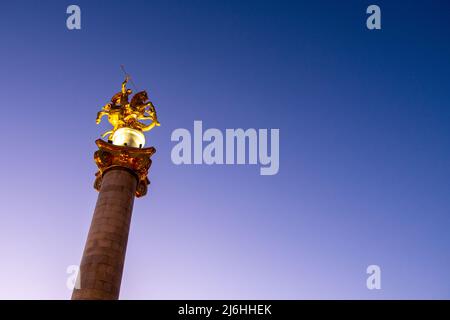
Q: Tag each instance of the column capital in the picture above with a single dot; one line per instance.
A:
(137, 160)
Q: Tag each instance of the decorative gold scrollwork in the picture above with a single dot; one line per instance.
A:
(135, 159)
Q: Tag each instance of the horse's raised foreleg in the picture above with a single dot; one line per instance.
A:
(149, 127)
(100, 114)
(146, 118)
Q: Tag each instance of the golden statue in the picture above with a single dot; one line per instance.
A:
(124, 114)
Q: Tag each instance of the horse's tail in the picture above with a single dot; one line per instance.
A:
(106, 133)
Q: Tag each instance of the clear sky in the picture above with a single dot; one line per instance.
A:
(364, 146)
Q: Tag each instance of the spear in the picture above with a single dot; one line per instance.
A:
(129, 77)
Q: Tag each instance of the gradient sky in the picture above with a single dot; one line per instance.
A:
(364, 146)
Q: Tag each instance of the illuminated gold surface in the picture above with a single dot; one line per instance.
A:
(124, 114)
(123, 166)
(136, 160)
(128, 137)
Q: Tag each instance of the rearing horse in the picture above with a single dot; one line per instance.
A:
(138, 111)
(128, 115)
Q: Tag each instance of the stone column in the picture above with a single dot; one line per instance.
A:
(122, 175)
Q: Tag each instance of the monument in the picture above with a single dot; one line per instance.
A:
(123, 164)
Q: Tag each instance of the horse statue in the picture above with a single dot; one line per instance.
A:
(123, 114)
(141, 108)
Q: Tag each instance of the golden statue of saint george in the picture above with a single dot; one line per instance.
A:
(124, 114)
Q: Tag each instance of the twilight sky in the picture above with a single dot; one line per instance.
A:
(364, 146)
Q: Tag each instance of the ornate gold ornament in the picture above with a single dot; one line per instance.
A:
(124, 148)
(137, 160)
(122, 113)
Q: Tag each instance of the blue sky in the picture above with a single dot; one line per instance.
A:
(364, 146)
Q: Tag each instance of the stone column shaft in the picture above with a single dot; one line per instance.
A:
(122, 175)
(104, 254)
